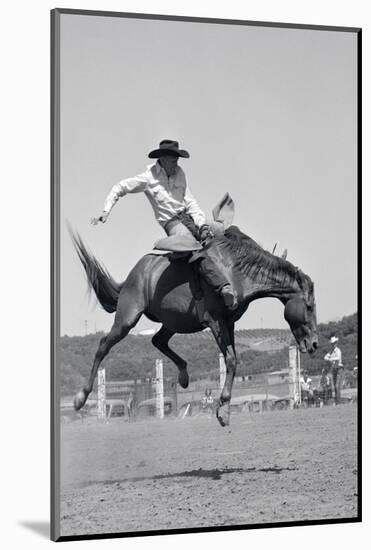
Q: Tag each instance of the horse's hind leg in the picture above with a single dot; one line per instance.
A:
(160, 341)
(106, 343)
(128, 314)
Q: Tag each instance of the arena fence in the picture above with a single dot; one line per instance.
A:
(162, 397)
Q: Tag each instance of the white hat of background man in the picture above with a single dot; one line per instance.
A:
(333, 340)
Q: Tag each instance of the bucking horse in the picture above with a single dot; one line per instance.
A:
(166, 289)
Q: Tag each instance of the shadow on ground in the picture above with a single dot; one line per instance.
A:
(215, 474)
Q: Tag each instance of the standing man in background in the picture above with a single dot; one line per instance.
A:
(337, 368)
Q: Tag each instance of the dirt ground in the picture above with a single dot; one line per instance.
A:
(174, 474)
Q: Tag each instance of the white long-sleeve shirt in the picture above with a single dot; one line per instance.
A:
(334, 356)
(168, 195)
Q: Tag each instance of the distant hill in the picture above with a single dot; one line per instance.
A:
(259, 350)
(269, 340)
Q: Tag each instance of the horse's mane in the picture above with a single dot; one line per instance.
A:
(260, 265)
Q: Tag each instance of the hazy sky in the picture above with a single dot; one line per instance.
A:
(267, 114)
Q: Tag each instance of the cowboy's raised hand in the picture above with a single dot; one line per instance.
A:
(102, 218)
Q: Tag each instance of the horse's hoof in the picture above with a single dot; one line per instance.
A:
(183, 378)
(79, 400)
(223, 414)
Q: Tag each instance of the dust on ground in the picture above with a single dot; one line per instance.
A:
(175, 474)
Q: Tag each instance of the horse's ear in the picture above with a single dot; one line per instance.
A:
(284, 255)
(224, 211)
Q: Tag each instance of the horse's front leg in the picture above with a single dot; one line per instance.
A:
(223, 333)
(223, 410)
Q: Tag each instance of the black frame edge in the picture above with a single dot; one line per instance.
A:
(195, 19)
(359, 263)
(54, 271)
(215, 529)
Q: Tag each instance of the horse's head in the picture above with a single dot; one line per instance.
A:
(300, 313)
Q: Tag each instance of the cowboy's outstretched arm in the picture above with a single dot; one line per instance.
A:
(137, 184)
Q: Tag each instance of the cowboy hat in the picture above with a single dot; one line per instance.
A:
(333, 340)
(168, 147)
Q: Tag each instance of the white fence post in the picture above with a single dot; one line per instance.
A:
(102, 394)
(294, 375)
(222, 371)
(159, 389)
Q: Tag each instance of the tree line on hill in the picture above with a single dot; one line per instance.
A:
(135, 356)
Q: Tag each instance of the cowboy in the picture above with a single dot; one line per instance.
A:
(337, 368)
(165, 185)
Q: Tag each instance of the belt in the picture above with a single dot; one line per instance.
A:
(186, 219)
(176, 218)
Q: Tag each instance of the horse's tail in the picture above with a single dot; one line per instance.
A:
(106, 289)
